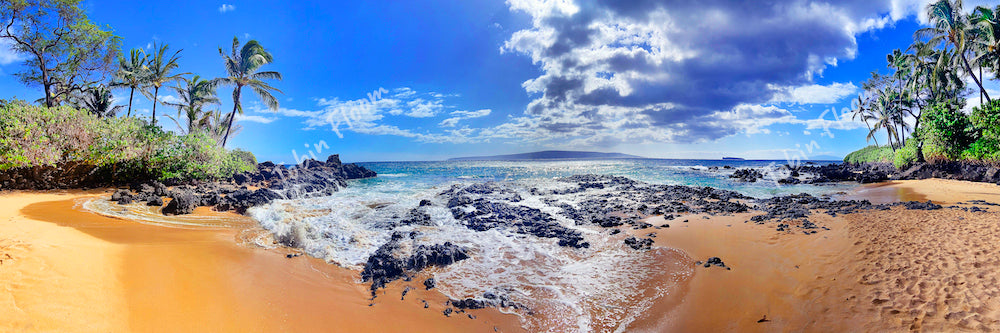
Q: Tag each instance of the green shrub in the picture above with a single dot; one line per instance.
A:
(986, 119)
(907, 155)
(870, 154)
(984, 149)
(198, 156)
(34, 135)
(945, 131)
(245, 156)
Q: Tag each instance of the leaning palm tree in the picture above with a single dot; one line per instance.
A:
(132, 73)
(986, 22)
(98, 101)
(160, 73)
(215, 125)
(241, 66)
(862, 111)
(192, 98)
(951, 27)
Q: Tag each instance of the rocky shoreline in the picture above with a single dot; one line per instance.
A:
(608, 203)
(866, 173)
(248, 189)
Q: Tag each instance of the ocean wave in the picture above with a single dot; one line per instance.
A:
(603, 287)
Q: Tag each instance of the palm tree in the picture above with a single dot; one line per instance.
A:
(951, 27)
(131, 74)
(99, 101)
(160, 72)
(241, 66)
(193, 97)
(861, 110)
(987, 25)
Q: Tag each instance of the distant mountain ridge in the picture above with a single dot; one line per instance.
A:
(547, 155)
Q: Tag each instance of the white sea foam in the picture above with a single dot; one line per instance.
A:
(603, 287)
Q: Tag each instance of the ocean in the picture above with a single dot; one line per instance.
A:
(603, 287)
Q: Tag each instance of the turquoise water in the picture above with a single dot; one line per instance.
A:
(395, 176)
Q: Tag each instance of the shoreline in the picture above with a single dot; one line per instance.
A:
(156, 278)
(835, 281)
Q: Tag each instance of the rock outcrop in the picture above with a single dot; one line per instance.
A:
(272, 181)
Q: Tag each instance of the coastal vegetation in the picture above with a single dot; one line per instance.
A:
(76, 64)
(920, 107)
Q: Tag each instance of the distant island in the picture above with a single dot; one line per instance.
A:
(547, 155)
(732, 159)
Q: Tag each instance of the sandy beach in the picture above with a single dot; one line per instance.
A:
(61, 267)
(64, 269)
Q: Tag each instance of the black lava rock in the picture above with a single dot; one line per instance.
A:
(639, 243)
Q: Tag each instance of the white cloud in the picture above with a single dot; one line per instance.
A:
(7, 53)
(169, 99)
(367, 115)
(617, 72)
(254, 119)
(460, 115)
(904, 8)
(992, 88)
(420, 108)
(226, 8)
(814, 93)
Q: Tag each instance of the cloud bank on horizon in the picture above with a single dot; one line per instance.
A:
(652, 71)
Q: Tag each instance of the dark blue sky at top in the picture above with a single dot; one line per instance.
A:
(340, 50)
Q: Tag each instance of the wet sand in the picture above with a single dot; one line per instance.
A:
(895, 270)
(68, 270)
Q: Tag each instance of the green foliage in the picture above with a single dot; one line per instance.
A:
(198, 156)
(63, 50)
(945, 131)
(870, 154)
(984, 149)
(907, 155)
(986, 119)
(36, 135)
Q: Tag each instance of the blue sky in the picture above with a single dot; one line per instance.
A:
(405, 80)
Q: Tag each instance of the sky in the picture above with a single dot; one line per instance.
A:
(431, 80)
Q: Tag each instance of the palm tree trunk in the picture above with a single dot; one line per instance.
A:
(130, 94)
(974, 78)
(869, 131)
(229, 126)
(156, 91)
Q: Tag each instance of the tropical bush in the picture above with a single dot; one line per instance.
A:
(198, 156)
(907, 155)
(984, 149)
(945, 132)
(986, 119)
(33, 135)
(870, 154)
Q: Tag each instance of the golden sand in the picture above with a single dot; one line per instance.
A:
(895, 270)
(62, 269)
(70, 270)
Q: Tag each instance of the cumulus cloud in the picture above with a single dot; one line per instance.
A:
(226, 8)
(682, 71)
(460, 115)
(254, 119)
(169, 99)
(814, 93)
(368, 115)
(7, 53)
